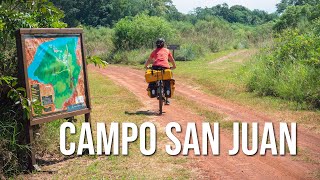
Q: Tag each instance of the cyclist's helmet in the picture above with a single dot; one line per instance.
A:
(160, 43)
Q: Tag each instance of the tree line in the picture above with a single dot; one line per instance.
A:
(108, 12)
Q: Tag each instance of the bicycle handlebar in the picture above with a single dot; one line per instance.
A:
(160, 68)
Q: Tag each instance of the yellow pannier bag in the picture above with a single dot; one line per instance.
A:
(155, 75)
(172, 86)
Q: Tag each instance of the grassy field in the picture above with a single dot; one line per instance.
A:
(110, 102)
(222, 74)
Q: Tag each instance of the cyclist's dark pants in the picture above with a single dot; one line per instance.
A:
(159, 68)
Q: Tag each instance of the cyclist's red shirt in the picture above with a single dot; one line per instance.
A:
(161, 57)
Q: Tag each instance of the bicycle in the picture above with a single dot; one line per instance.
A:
(160, 94)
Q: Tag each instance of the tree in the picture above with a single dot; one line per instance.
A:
(297, 17)
(235, 14)
(23, 14)
(109, 12)
(285, 3)
(92, 12)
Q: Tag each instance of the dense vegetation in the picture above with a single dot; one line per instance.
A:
(133, 26)
(13, 105)
(235, 14)
(124, 31)
(290, 67)
(132, 38)
(141, 31)
(108, 12)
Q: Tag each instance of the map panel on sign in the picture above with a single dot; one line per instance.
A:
(55, 72)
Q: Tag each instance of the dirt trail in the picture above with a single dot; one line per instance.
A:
(242, 53)
(222, 166)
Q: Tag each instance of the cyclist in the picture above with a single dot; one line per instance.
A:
(161, 57)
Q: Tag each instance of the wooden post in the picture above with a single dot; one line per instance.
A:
(87, 118)
(30, 141)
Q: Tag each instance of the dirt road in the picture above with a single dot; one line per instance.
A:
(222, 166)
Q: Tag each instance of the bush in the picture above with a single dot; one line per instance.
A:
(138, 33)
(8, 63)
(189, 52)
(292, 46)
(134, 57)
(9, 133)
(13, 106)
(99, 41)
(215, 34)
(141, 31)
(185, 28)
(290, 69)
(297, 17)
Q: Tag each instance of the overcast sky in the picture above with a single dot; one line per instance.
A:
(185, 6)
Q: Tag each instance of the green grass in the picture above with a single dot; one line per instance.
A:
(110, 102)
(209, 115)
(224, 78)
(288, 71)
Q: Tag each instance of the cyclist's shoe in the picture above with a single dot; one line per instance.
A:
(167, 102)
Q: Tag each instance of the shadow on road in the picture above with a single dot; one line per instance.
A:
(147, 113)
(45, 161)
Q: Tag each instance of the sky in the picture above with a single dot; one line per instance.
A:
(185, 6)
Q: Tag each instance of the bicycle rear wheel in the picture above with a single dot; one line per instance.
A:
(160, 97)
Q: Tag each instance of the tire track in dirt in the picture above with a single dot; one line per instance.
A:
(222, 166)
(241, 53)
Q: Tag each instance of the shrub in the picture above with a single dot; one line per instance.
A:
(215, 34)
(9, 133)
(141, 31)
(316, 26)
(290, 69)
(190, 52)
(183, 27)
(99, 41)
(134, 57)
(293, 46)
(13, 106)
(297, 17)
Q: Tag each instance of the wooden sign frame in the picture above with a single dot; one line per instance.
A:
(173, 47)
(21, 35)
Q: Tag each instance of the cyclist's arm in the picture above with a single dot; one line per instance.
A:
(147, 62)
(173, 62)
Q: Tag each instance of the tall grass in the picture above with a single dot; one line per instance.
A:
(289, 70)
(133, 57)
(214, 35)
(11, 132)
(98, 41)
(195, 40)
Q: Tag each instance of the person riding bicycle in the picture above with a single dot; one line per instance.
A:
(161, 57)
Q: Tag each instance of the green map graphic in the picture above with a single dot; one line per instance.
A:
(55, 63)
